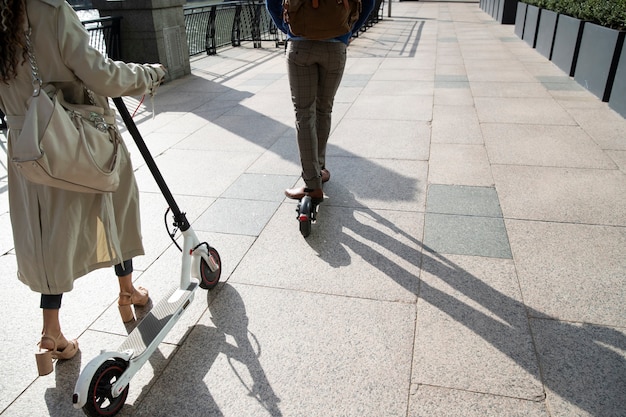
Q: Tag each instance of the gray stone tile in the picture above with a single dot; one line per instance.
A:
(469, 201)
(281, 159)
(442, 402)
(521, 110)
(509, 89)
(370, 139)
(583, 366)
(237, 216)
(459, 164)
(466, 235)
(354, 252)
(562, 194)
(563, 146)
(472, 332)
(571, 272)
(263, 350)
(400, 88)
(453, 96)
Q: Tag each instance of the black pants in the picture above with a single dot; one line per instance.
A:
(53, 301)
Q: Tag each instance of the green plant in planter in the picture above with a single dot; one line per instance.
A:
(609, 13)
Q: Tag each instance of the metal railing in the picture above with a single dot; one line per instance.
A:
(211, 27)
(218, 25)
(104, 35)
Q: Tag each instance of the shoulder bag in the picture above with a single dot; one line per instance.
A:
(74, 147)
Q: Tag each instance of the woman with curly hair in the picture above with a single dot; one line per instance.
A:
(62, 235)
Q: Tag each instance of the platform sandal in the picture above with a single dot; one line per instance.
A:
(139, 297)
(44, 357)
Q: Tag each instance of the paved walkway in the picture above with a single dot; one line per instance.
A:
(469, 260)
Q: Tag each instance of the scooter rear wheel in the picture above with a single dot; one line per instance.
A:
(100, 401)
(305, 215)
(209, 279)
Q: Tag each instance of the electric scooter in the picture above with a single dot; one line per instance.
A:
(103, 385)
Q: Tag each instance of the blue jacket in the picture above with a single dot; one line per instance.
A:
(275, 8)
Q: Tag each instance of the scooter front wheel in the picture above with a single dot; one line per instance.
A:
(100, 400)
(209, 278)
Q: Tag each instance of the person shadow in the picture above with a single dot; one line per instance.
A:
(581, 363)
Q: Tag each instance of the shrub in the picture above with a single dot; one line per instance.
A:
(609, 13)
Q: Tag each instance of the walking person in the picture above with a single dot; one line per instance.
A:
(315, 69)
(61, 235)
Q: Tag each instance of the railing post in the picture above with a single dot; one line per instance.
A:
(211, 43)
(236, 32)
(256, 24)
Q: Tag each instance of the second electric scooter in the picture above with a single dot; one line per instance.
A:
(102, 387)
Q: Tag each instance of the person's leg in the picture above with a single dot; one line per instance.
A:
(129, 295)
(303, 78)
(53, 344)
(332, 64)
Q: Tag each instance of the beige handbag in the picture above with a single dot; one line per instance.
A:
(70, 146)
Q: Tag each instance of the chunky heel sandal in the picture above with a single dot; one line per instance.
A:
(139, 297)
(44, 356)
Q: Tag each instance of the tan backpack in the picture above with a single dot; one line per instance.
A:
(321, 19)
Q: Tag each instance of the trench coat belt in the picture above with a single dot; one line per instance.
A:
(15, 122)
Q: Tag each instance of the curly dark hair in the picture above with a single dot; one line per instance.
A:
(12, 41)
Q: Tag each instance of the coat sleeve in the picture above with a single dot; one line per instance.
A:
(275, 9)
(366, 9)
(100, 74)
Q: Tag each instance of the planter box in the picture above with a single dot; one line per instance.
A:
(506, 11)
(520, 19)
(617, 101)
(566, 43)
(545, 32)
(533, 14)
(598, 56)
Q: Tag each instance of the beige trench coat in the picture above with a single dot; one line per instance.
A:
(61, 235)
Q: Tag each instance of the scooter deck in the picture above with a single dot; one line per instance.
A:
(156, 321)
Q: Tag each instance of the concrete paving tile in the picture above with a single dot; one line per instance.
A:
(571, 272)
(606, 127)
(472, 331)
(455, 124)
(392, 107)
(521, 110)
(401, 88)
(427, 401)
(589, 196)
(453, 95)
(252, 355)
(363, 139)
(394, 184)
(263, 187)
(509, 89)
(563, 146)
(584, 367)
(343, 246)
(459, 164)
(6, 239)
(183, 171)
(619, 157)
(237, 216)
(281, 158)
